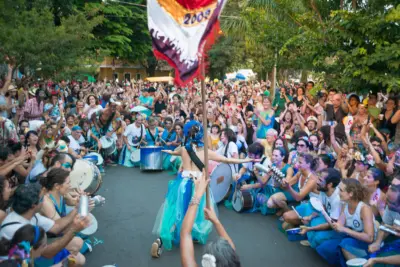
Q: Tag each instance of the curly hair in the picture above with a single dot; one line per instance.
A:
(355, 187)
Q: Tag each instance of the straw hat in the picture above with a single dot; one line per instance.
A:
(32, 91)
(12, 88)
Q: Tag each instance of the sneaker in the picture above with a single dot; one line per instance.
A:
(305, 243)
(156, 248)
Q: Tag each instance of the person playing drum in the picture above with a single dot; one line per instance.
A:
(151, 137)
(133, 135)
(57, 184)
(167, 141)
(180, 192)
(266, 184)
(103, 119)
(76, 142)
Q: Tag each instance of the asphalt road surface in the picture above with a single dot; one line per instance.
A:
(126, 220)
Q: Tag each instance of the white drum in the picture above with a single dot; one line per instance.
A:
(94, 157)
(108, 144)
(135, 155)
(92, 228)
(86, 176)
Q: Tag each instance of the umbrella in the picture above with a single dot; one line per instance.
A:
(139, 109)
(240, 76)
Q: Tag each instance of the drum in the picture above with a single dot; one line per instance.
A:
(212, 165)
(86, 176)
(221, 179)
(108, 144)
(151, 158)
(242, 200)
(94, 157)
(92, 228)
(135, 155)
(357, 262)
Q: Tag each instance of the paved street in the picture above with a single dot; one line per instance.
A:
(126, 220)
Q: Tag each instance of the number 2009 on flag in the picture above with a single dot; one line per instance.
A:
(194, 18)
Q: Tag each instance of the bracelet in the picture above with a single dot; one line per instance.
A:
(194, 201)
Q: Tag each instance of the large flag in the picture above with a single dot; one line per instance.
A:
(182, 31)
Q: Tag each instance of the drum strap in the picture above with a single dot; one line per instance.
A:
(169, 136)
(193, 157)
(108, 123)
(151, 135)
(141, 134)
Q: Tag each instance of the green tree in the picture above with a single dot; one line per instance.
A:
(30, 40)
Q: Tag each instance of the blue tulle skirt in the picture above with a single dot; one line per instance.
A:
(125, 158)
(166, 162)
(172, 212)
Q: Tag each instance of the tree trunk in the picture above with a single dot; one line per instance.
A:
(304, 76)
(341, 4)
(354, 4)
(273, 82)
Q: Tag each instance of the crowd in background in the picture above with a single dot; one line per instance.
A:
(340, 148)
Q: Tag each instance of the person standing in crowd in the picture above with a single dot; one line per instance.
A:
(265, 118)
(33, 109)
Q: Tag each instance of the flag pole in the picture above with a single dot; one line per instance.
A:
(205, 131)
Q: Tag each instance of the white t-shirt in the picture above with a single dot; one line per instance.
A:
(38, 220)
(90, 110)
(232, 149)
(74, 144)
(332, 204)
(389, 216)
(133, 132)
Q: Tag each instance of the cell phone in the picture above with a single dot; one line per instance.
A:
(255, 122)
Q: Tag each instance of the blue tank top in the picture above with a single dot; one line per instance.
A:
(149, 139)
(61, 210)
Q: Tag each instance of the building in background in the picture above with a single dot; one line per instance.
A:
(112, 68)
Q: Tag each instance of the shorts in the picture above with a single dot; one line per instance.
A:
(45, 262)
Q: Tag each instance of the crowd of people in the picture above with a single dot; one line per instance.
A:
(340, 149)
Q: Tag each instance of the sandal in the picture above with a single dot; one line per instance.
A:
(156, 248)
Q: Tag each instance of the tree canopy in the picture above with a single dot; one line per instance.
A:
(350, 44)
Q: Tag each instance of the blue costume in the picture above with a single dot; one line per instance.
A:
(180, 191)
(262, 129)
(168, 137)
(62, 212)
(267, 191)
(150, 138)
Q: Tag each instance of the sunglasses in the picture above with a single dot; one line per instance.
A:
(301, 145)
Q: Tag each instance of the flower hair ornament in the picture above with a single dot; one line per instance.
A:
(358, 156)
(193, 131)
(20, 251)
(208, 260)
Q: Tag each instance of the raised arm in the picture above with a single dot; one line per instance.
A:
(186, 247)
(335, 145)
(216, 157)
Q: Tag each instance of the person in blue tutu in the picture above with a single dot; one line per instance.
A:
(180, 193)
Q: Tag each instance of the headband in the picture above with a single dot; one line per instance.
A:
(37, 234)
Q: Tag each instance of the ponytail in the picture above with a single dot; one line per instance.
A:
(5, 246)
